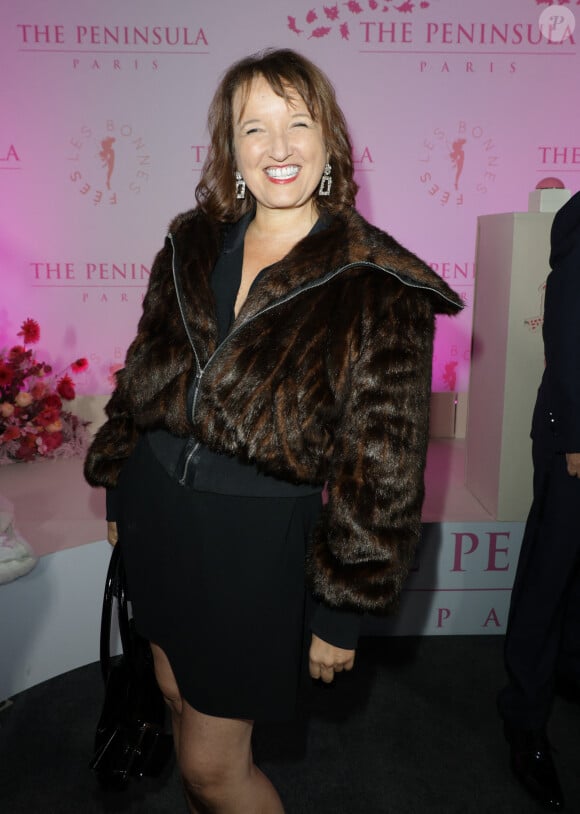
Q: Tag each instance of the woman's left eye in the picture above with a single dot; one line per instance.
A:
(300, 124)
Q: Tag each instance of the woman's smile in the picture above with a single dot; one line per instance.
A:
(284, 174)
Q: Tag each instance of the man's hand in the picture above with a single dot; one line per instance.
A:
(326, 660)
(573, 464)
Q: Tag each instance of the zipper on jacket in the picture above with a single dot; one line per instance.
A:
(192, 445)
(290, 296)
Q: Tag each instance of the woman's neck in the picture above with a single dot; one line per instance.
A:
(284, 224)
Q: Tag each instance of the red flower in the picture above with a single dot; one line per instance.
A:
(32, 423)
(27, 449)
(29, 331)
(80, 365)
(39, 390)
(16, 353)
(66, 388)
(10, 433)
(51, 440)
(47, 416)
(6, 375)
(52, 400)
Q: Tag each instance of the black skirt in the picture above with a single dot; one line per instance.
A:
(217, 581)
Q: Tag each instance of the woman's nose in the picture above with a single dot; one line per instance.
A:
(280, 147)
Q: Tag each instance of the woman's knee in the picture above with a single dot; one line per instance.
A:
(206, 785)
(215, 758)
(212, 784)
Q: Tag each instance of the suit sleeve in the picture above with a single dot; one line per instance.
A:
(364, 542)
(562, 347)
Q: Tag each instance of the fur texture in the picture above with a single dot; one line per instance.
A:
(325, 377)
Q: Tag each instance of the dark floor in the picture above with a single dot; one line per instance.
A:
(413, 729)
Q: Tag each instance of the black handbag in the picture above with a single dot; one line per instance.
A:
(130, 740)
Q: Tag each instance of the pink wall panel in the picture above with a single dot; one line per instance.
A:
(455, 109)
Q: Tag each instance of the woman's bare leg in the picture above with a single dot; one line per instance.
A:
(170, 691)
(215, 756)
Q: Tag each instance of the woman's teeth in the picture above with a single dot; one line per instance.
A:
(282, 172)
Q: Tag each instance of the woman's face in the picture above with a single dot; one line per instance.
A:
(279, 148)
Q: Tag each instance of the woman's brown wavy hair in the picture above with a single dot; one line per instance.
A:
(285, 71)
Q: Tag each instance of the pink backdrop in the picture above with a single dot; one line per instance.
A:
(455, 109)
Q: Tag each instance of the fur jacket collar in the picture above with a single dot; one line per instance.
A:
(324, 377)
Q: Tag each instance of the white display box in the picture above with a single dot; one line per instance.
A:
(507, 359)
(547, 200)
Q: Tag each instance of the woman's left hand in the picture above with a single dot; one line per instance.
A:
(326, 659)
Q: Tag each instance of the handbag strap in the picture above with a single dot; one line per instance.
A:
(115, 589)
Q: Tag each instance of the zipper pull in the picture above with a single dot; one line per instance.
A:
(188, 457)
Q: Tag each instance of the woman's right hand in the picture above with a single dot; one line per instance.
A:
(112, 533)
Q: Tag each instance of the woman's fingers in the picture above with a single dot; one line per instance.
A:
(326, 660)
(112, 533)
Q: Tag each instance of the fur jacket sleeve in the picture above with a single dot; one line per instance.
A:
(364, 543)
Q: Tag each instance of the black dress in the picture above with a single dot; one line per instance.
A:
(216, 578)
(217, 581)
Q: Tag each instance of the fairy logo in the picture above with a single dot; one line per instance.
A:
(340, 17)
(458, 161)
(109, 162)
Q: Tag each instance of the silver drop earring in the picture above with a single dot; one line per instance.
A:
(325, 181)
(240, 186)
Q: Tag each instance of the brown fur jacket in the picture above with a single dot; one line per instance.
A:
(324, 377)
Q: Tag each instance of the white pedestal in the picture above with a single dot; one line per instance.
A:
(51, 617)
(507, 359)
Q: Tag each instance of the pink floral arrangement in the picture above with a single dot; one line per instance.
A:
(33, 423)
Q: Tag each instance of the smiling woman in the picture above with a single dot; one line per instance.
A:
(285, 344)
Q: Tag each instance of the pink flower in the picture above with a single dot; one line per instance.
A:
(65, 388)
(23, 399)
(29, 331)
(6, 409)
(80, 365)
